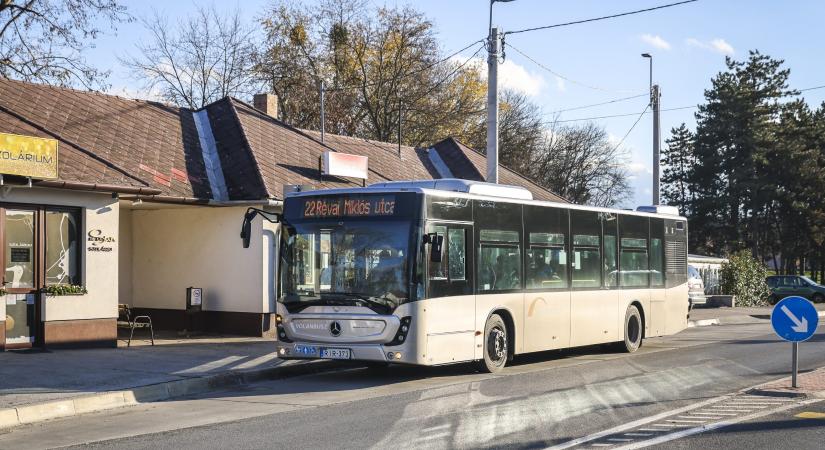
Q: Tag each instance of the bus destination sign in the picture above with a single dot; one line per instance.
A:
(349, 207)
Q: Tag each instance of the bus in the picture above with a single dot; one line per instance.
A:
(449, 271)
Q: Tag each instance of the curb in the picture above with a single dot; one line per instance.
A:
(702, 323)
(39, 412)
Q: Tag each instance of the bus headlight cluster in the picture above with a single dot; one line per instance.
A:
(279, 322)
(401, 334)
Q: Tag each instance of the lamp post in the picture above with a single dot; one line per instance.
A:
(654, 103)
(492, 98)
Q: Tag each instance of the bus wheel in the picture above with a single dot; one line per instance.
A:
(632, 329)
(495, 345)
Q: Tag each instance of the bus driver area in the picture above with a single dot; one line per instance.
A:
(451, 271)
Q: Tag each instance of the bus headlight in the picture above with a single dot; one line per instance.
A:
(279, 322)
(401, 334)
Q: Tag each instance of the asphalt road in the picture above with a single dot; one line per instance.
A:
(543, 400)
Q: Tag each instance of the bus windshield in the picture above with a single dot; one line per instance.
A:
(352, 263)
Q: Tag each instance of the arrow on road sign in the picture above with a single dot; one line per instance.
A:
(801, 326)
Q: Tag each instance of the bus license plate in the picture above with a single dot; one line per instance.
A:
(335, 353)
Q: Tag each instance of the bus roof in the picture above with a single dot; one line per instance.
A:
(482, 191)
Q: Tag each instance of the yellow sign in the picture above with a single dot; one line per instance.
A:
(28, 156)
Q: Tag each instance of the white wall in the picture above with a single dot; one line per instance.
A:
(125, 257)
(100, 269)
(173, 249)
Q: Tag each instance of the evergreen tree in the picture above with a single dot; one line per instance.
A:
(677, 160)
(735, 135)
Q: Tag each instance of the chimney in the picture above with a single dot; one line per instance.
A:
(267, 104)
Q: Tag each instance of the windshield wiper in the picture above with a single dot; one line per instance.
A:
(372, 300)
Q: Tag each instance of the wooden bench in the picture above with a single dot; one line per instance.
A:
(125, 320)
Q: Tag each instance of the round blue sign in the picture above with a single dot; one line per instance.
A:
(794, 319)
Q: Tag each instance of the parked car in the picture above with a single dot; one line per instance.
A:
(696, 287)
(786, 285)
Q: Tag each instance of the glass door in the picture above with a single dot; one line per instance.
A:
(20, 276)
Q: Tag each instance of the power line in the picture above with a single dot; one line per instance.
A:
(612, 16)
(564, 77)
(617, 115)
(643, 112)
(631, 128)
(597, 104)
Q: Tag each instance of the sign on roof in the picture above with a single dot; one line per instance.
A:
(344, 165)
(28, 156)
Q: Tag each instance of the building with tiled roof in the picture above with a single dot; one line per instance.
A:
(147, 199)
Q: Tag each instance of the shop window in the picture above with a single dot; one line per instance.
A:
(62, 249)
(19, 248)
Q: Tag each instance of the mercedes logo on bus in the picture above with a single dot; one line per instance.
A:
(335, 328)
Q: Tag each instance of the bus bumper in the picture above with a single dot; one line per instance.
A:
(347, 352)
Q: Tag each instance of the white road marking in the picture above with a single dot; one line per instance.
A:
(686, 421)
(699, 416)
(636, 423)
(733, 410)
(435, 428)
(619, 440)
(598, 444)
(638, 434)
(713, 426)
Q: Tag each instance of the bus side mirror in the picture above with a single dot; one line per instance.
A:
(436, 243)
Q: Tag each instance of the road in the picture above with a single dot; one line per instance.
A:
(595, 396)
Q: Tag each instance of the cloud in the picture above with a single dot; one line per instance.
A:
(718, 45)
(655, 41)
(560, 84)
(722, 47)
(513, 76)
(637, 168)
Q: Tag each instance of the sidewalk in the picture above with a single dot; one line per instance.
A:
(38, 385)
(704, 316)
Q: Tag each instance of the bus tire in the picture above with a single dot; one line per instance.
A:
(633, 329)
(495, 345)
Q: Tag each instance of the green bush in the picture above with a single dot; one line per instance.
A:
(744, 277)
(64, 289)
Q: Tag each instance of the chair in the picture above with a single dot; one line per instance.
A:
(125, 320)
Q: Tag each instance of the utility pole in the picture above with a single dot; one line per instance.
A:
(655, 96)
(400, 116)
(322, 110)
(492, 106)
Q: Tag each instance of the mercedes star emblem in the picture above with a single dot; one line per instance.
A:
(335, 328)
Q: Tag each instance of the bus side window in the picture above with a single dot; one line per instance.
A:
(438, 269)
(586, 255)
(499, 265)
(611, 251)
(633, 251)
(457, 254)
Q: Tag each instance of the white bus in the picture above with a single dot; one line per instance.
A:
(448, 271)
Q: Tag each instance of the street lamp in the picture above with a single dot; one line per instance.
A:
(490, 26)
(654, 104)
(650, 58)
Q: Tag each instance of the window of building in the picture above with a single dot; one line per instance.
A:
(548, 233)
(586, 261)
(633, 251)
(62, 247)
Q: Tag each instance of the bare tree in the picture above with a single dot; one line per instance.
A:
(204, 58)
(581, 164)
(43, 40)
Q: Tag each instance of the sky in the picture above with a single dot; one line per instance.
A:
(584, 64)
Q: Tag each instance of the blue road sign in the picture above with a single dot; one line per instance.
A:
(794, 319)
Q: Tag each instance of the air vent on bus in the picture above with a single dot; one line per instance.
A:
(676, 256)
(659, 209)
